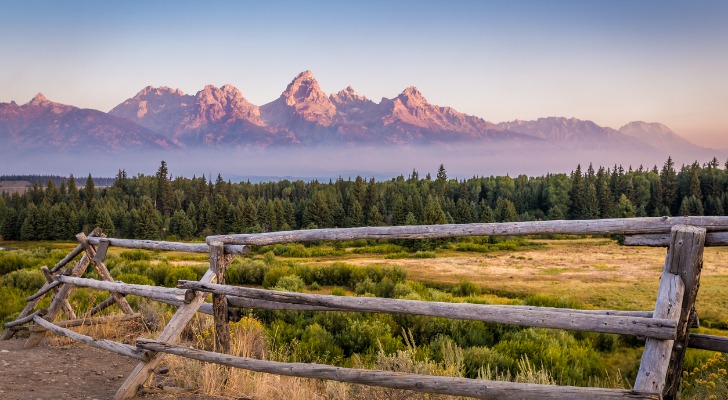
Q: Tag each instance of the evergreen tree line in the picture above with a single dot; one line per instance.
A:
(57, 179)
(158, 206)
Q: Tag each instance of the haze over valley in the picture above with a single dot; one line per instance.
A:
(309, 133)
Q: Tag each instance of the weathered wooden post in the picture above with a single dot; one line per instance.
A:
(219, 262)
(97, 259)
(170, 335)
(662, 360)
(61, 297)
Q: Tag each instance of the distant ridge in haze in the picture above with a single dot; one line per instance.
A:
(305, 117)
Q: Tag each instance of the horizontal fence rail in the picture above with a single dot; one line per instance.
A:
(617, 226)
(168, 246)
(481, 389)
(565, 319)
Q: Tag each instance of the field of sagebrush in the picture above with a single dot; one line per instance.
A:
(573, 272)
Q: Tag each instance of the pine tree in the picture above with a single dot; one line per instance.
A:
(668, 178)
(89, 191)
(625, 208)
(163, 199)
(148, 221)
(505, 210)
(74, 197)
(433, 213)
(485, 213)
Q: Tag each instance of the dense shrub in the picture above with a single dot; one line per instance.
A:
(247, 271)
(424, 254)
(385, 248)
(135, 279)
(476, 358)
(12, 300)
(466, 288)
(135, 255)
(540, 300)
(179, 273)
(291, 283)
(24, 279)
(318, 345)
(571, 362)
(14, 260)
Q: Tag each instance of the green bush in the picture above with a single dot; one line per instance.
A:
(318, 345)
(606, 342)
(24, 279)
(385, 248)
(179, 273)
(135, 279)
(273, 275)
(246, 271)
(337, 291)
(135, 255)
(14, 260)
(13, 301)
(290, 283)
(158, 273)
(366, 336)
(571, 362)
(424, 254)
(476, 358)
(466, 288)
(541, 300)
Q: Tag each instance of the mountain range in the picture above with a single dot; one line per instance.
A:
(303, 116)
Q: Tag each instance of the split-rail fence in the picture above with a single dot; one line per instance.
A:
(666, 329)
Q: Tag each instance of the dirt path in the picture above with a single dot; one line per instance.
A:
(65, 372)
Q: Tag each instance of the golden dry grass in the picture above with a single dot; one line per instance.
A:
(596, 272)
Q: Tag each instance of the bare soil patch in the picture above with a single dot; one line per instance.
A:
(66, 372)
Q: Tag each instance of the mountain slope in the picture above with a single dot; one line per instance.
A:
(661, 137)
(43, 124)
(304, 115)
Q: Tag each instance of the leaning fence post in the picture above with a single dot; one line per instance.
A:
(169, 335)
(219, 263)
(662, 360)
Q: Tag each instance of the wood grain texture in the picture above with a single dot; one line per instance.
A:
(170, 334)
(100, 267)
(708, 342)
(685, 244)
(480, 389)
(169, 246)
(620, 226)
(647, 327)
(109, 345)
(663, 239)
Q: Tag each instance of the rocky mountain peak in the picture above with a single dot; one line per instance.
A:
(302, 99)
(38, 100)
(158, 91)
(226, 102)
(304, 88)
(347, 95)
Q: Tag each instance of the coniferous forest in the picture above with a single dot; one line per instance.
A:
(159, 206)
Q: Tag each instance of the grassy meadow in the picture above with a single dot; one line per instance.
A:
(573, 272)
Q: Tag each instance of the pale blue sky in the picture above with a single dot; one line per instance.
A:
(608, 61)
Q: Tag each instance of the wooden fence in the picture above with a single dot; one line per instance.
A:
(666, 329)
